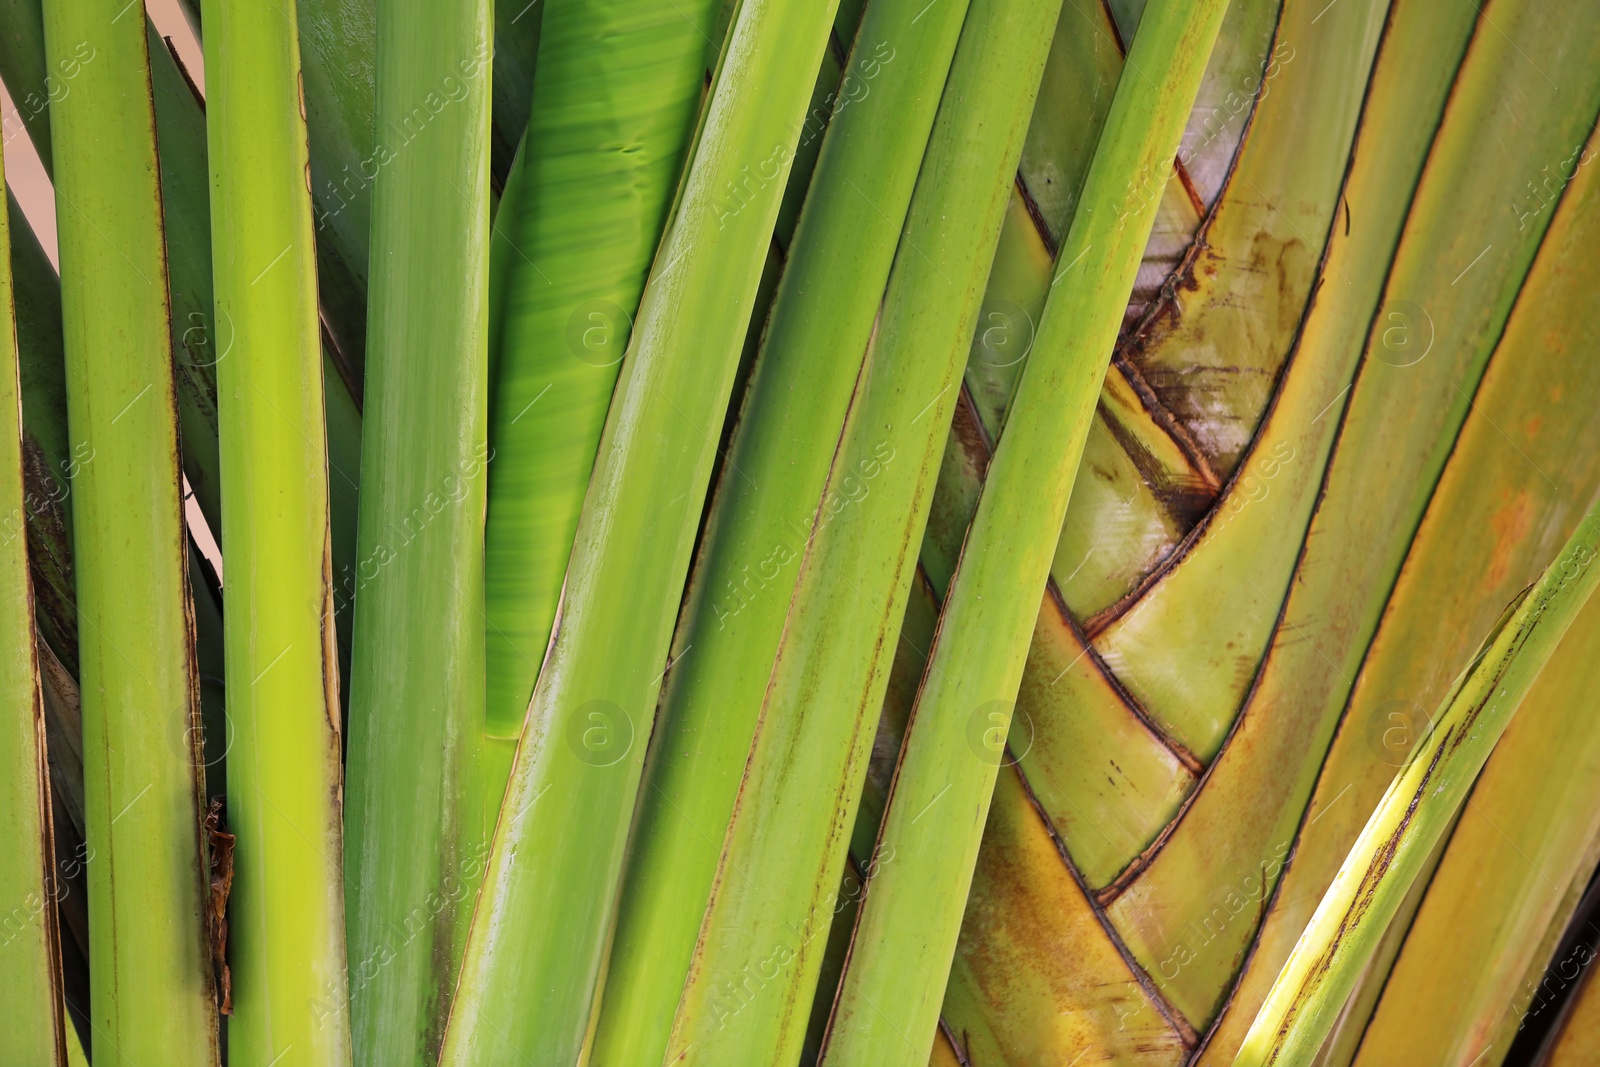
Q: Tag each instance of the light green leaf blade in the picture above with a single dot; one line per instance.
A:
(417, 821)
(618, 87)
(538, 938)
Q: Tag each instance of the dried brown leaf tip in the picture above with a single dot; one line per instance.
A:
(221, 842)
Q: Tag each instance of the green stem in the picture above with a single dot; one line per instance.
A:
(760, 947)
(889, 998)
(539, 935)
(287, 908)
(777, 464)
(151, 982)
(417, 820)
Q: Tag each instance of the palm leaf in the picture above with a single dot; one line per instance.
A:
(1341, 419)
(1188, 947)
(912, 911)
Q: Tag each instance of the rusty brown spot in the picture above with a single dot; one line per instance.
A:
(1510, 524)
(222, 843)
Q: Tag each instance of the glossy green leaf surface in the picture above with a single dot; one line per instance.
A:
(617, 89)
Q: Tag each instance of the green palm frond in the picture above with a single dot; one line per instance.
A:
(837, 534)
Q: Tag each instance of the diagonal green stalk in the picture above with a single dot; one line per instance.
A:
(287, 906)
(615, 96)
(151, 982)
(181, 147)
(545, 913)
(417, 822)
(888, 1002)
(777, 463)
(1417, 809)
(30, 957)
(336, 68)
(27, 71)
(198, 342)
(756, 963)
(48, 465)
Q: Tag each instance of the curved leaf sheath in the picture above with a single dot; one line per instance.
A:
(1417, 808)
(1403, 416)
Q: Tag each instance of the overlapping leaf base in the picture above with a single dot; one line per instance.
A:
(1340, 432)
